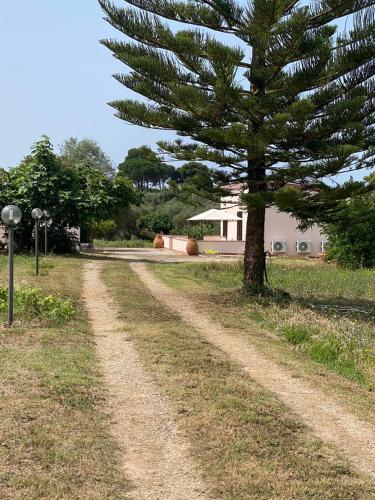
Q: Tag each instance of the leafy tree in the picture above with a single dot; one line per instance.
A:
(351, 236)
(86, 151)
(291, 103)
(195, 173)
(144, 167)
(75, 196)
(155, 222)
(166, 206)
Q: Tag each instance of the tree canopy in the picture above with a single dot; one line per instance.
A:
(86, 151)
(290, 102)
(196, 173)
(75, 196)
(145, 168)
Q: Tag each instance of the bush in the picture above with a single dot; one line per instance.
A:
(32, 303)
(197, 231)
(155, 222)
(104, 230)
(133, 243)
(351, 239)
(62, 240)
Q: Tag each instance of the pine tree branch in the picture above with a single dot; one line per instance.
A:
(184, 13)
(343, 8)
(290, 7)
(232, 18)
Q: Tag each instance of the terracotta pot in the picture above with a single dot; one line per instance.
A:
(323, 257)
(192, 247)
(158, 241)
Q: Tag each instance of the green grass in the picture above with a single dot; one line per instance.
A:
(54, 438)
(123, 243)
(308, 279)
(296, 335)
(247, 443)
(330, 318)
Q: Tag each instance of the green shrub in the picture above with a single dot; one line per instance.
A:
(155, 222)
(197, 231)
(61, 240)
(31, 303)
(104, 230)
(133, 243)
(296, 334)
(351, 239)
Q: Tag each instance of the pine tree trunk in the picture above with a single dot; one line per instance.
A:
(254, 250)
(254, 247)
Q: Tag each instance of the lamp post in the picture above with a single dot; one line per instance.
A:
(45, 217)
(11, 215)
(37, 214)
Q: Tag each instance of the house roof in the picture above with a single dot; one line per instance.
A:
(215, 215)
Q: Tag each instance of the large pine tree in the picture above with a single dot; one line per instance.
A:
(273, 91)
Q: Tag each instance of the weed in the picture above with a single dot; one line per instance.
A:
(343, 356)
(296, 334)
(31, 303)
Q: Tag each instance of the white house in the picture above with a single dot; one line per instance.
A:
(281, 233)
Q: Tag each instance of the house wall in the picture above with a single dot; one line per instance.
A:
(223, 247)
(177, 243)
(279, 226)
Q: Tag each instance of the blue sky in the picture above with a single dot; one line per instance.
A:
(56, 79)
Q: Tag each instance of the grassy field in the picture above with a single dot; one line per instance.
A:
(123, 243)
(326, 328)
(54, 437)
(248, 444)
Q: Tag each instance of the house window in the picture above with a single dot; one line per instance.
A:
(225, 229)
(239, 226)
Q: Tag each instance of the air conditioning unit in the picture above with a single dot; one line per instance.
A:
(323, 246)
(303, 246)
(278, 246)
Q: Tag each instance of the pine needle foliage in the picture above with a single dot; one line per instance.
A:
(272, 91)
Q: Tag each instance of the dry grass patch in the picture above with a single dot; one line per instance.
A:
(248, 444)
(54, 440)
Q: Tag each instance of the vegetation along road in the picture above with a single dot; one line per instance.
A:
(125, 379)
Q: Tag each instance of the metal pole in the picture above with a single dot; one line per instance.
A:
(37, 247)
(11, 274)
(45, 238)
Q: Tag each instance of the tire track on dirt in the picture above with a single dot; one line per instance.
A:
(155, 454)
(329, 420)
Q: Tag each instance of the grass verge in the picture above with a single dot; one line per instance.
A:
(123, 243)
(54, 442)
(248, 444)
(325, 334)
(330, 318)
